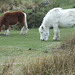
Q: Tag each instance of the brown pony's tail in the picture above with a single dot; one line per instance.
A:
(25, 25)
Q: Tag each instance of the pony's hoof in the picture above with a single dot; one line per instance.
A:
(54, 39)
(42, 40)
(57, 39)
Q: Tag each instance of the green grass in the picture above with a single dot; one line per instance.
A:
(17, 46)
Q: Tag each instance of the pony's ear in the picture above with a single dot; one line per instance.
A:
(42, 28)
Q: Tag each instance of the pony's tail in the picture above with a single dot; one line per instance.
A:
(25, 24)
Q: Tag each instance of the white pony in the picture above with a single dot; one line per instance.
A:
(56, 17)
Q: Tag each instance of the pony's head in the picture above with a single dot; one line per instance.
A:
(44, 33)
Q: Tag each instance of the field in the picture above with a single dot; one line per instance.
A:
(26, 54)
(23, 47)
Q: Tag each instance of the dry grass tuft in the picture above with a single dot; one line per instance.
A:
(69, 44)
(7, 68)
(56, 65)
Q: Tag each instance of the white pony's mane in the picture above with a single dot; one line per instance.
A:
(54, 10)
(51, 12)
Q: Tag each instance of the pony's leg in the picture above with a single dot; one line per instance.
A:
(6, 30)
(22, 29)
(56, 33)
(25, 30)
(74, 27)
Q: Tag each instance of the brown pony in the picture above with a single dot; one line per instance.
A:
(11, 18)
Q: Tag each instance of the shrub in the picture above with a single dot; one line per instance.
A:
(35, 17)
(34, 20)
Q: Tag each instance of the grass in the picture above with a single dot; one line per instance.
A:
(17, 46)
(57, 64)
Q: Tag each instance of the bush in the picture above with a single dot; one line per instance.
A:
(35, 17)
(35, 20)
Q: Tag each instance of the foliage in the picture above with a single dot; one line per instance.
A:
(34, 19)
(36, 16)
(70, 43)
(39, 9)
